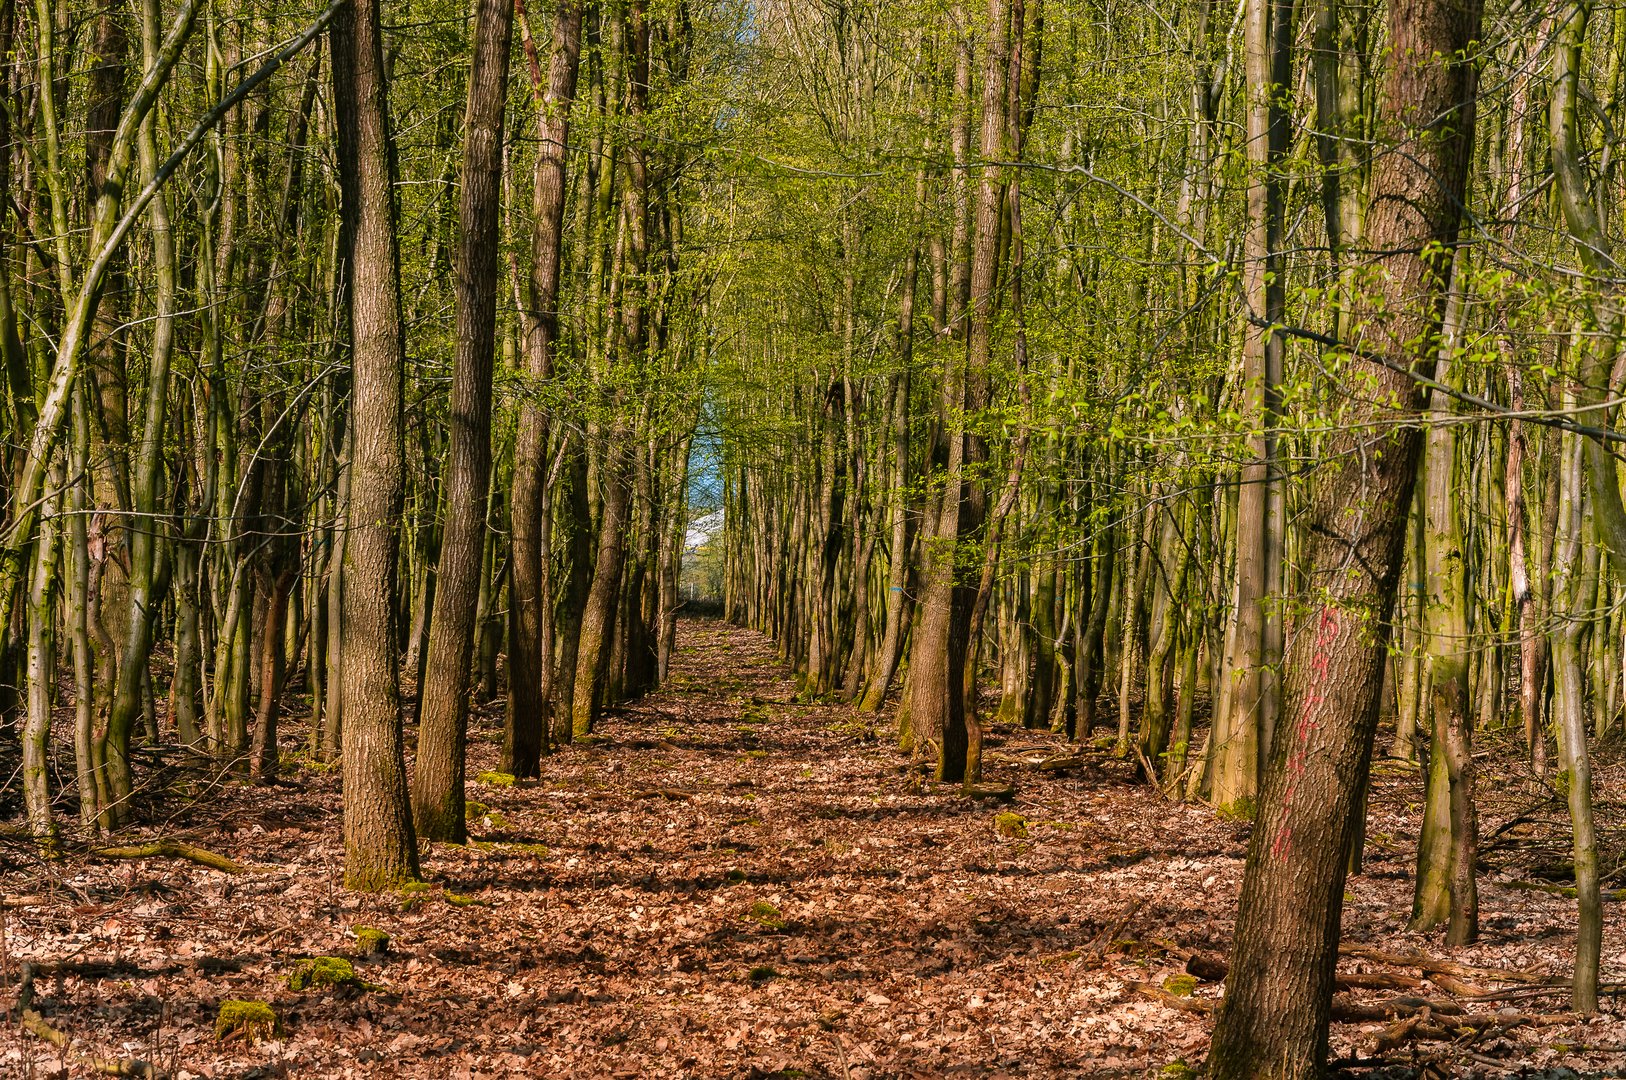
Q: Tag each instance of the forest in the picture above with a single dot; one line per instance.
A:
(812, 538)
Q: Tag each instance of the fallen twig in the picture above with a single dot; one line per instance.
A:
(1173, 1001)
(36, 1025)
(1560, 890)
(171, 849)
(1445, 967)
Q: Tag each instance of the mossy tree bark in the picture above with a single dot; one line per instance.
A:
(1449, 846)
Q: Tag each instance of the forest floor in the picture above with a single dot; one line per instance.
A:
(727, 883)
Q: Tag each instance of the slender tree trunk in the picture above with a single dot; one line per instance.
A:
(937, 704)
(525, 734)
(1246, 708)
(1594, 386)
(1571, 595)
(1449, 846)
(443, 711)
(897, 576)
(41, 680)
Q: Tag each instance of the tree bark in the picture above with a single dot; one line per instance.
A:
(443, 715)
(1273, 1024)
(380, 850)
(526, 727)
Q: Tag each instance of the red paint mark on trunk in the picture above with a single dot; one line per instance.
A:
(1326, 630)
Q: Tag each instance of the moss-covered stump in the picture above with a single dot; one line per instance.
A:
(324, 972)
(1010, 825)
(250, 1021)
(371, 941)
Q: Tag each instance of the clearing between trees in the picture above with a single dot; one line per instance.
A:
(726, 881)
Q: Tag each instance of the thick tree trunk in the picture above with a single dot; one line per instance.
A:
(380, 850)
(1273, 1024)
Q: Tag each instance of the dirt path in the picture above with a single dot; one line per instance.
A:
(725, 883)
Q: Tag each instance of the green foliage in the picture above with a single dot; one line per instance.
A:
(495, 779)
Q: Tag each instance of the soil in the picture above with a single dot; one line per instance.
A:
(729, 882)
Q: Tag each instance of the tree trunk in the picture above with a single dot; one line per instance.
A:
(380, 850)
(1273, 1024)
(525, 734)
(1449, 845)
(1248, 699)
(443, 711)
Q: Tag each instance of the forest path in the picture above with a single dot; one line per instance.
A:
(743, 885)
(722, 883)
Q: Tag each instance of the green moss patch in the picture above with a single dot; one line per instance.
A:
(475, 812)
(1181, 985)
(318, 972)
(762, 973)
(495, 779)
(371, 941)
(250, 1021)
(413, 893)
(1011, 825)
(765, 915)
